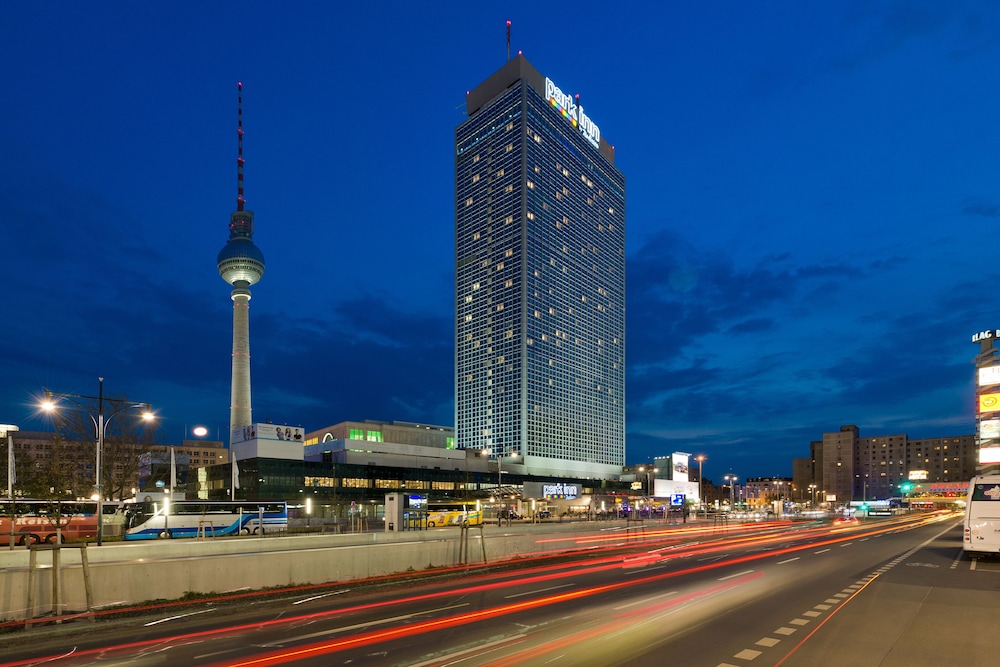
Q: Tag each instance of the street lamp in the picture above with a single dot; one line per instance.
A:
(100, 425)
(732, 492)
(499, 458)
(649, 476)
(701, 498)
(812, 495)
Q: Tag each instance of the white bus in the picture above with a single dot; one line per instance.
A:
(204, 518)
(981, 534)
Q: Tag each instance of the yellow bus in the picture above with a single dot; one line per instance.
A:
(454, 514)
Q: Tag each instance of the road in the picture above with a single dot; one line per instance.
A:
(884, 592)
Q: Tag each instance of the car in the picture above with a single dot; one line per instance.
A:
(846, 521)
(544, 514)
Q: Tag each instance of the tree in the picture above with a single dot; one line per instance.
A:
(126, 437)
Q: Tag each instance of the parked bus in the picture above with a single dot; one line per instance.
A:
(981, 534)
(37, 521)
(201, 518)
(453, 514)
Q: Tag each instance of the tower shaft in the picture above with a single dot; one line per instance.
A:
(240, 412)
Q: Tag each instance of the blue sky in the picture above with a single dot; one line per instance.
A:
(812, 194)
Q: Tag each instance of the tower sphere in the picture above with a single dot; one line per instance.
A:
(241, 261)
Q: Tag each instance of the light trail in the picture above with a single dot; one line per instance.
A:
(500, 580)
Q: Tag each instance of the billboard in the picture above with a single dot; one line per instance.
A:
(989, 375)
(268, 432)
(679, 465)
(989, 455)
(989, 402)
(989, 428)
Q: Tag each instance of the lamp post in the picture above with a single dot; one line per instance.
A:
(499, 458)
(650, 473)
(100, 425)
(701, 498)
(732, 491)
(812, 495)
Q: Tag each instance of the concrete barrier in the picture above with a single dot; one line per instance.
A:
(133, 573)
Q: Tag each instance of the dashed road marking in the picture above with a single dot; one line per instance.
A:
(747, 654)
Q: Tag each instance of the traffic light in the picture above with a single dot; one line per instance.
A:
(906, 487)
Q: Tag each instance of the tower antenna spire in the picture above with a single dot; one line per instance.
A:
(508, 39)
(241, 264)
(239, 137)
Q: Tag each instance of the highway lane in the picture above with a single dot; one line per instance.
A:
(699, 598)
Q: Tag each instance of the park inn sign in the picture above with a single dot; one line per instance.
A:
(551, 490)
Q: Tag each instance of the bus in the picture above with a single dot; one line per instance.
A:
(981, 529)
(149, 520)
(454, 514)
(36, 521)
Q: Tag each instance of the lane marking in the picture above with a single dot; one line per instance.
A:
(747, 654)
(488, 647)
(768, 642)
(174, 618)
(540, 590)
(733, 576)
(782, 562)
(320, 597)
(357, 626)
(655, 597)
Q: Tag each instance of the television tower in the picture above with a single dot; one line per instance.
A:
(241, 264)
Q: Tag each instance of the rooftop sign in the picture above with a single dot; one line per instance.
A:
(573, 112)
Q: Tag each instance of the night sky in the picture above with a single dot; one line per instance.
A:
(813, 192)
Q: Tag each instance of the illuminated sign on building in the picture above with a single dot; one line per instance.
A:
(989, 402)
(573, 112)
(917, 475)
(989, 455)
(679, 462)
(989, 428)
(989, 375)
(985, 335)
(559, 490)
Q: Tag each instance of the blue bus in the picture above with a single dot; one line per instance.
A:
(150, 520)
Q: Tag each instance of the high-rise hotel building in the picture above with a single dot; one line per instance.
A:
(539, 279)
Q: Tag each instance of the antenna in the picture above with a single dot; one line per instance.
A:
(508, 40)
(239, 136)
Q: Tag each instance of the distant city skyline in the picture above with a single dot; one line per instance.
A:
(811, 194)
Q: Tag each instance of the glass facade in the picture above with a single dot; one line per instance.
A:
(540, 285)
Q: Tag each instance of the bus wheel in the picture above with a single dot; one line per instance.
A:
(164, 535)
(51, 539)
(29, 539)
(430, 524)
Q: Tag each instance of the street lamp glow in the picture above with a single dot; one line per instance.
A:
(200, 431)
(100, 426)
(701, 498)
